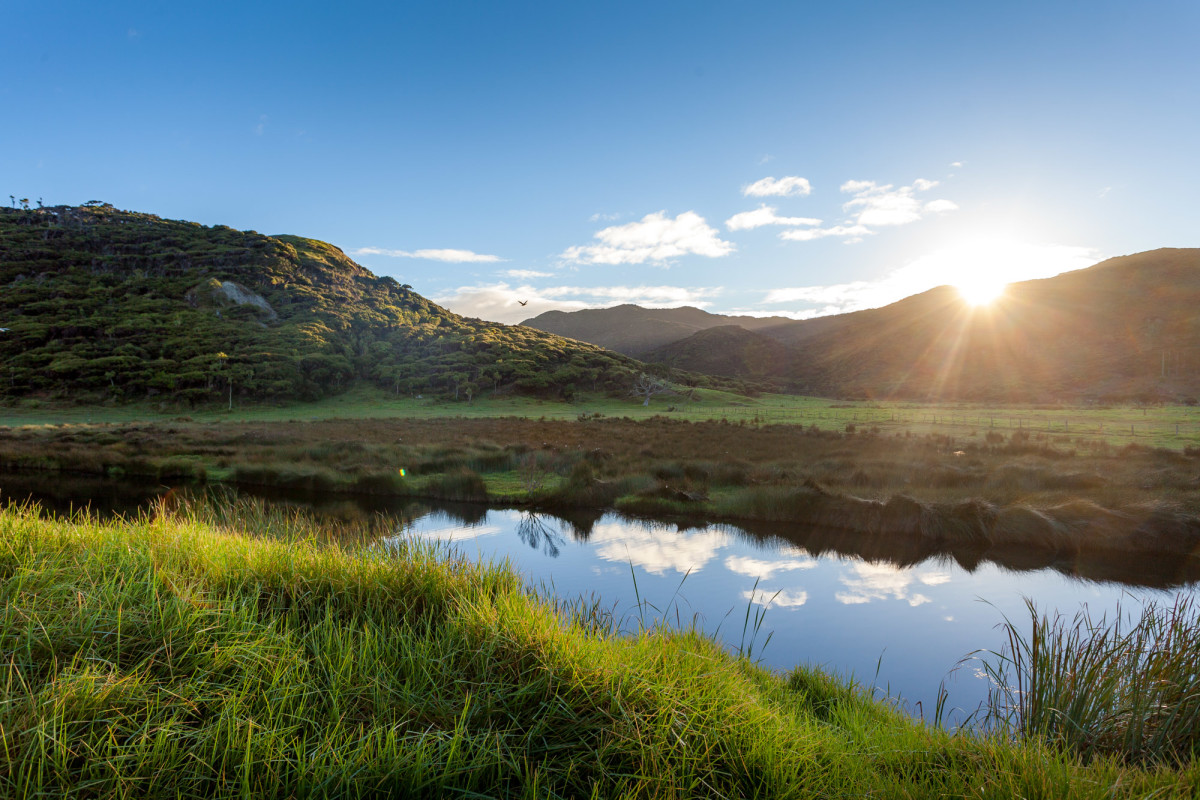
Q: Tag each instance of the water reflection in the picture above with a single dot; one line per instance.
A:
(538, 531)
(899, 608)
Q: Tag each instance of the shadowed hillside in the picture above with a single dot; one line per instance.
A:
(102, 304)
(727, 350)
(1127, 328)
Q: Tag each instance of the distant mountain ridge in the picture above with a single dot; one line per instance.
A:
(1125, 328)
(634, 330)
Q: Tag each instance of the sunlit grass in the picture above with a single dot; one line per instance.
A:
(239, 651)
(1072, 426)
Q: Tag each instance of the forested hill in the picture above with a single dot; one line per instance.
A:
(97, 304)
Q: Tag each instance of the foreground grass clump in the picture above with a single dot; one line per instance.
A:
(1130, 687)
(241, 652)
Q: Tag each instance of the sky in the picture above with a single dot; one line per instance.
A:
(507, 158)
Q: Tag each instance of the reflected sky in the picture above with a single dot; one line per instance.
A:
(903, 629)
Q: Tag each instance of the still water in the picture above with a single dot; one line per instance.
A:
(893, 614)
(901, 622)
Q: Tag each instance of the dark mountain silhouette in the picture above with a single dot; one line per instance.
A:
(1126, 328)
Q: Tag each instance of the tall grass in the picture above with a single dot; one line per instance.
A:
(1128, 688)
(235, 652)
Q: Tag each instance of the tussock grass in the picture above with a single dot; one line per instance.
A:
(1129, 687)
(240, 652)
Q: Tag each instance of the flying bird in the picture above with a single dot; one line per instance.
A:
(519, 302)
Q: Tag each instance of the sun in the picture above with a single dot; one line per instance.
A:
(980, 290)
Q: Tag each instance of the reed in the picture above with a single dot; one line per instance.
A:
(1128, 688)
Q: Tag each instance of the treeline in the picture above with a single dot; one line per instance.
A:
(103, 304)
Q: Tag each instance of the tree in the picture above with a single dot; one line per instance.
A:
(648, 385)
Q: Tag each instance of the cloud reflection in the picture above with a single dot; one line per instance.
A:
(779, 597)
(868, 582)
(765, 570)
(655, 551)
(453, 533)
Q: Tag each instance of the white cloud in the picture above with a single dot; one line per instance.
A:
(656, 237)
(881, 205)
(789, 186)
(599, 217)
(835, 294)
(956, 164)
(1012, 260)
(501, 302)
(874, 206)
(851, 232)
(526, 274)
(854, 187)
(940, 206)
(765, 215)
(447, 255)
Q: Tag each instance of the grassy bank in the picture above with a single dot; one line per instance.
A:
(216, 652)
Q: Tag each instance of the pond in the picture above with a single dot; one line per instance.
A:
(890, 613)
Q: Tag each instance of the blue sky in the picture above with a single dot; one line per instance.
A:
(757, 158)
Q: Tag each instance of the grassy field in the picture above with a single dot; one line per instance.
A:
(1174, 427)
(237, 652)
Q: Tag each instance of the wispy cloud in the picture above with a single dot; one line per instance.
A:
(765, 215)
(850, 232)
(875, 206)
(526, 274)
(1016, 261)
(449, 256)
(502, 302)
(655, 238)
(788, 186)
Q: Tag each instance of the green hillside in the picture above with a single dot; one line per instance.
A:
(101, 305)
